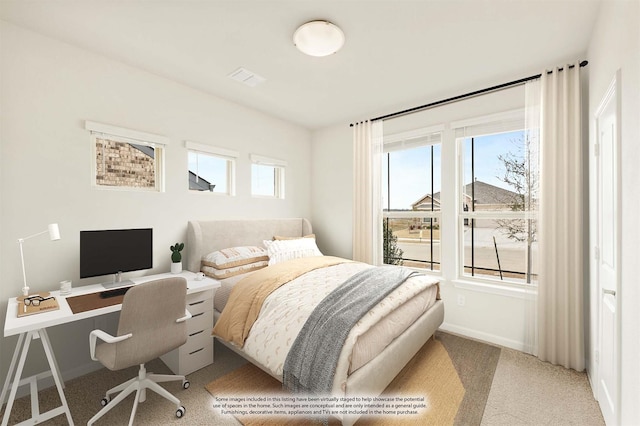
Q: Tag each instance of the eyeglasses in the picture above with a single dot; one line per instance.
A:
(35, 300)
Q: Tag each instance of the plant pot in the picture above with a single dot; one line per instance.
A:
(176, 267)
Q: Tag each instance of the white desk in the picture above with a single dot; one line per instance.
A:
(34, 327)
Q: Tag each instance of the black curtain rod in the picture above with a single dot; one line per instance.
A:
(466, 95)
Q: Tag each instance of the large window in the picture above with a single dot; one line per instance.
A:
(497, 201)
(211, 169)
(461, 199)
(411, 182)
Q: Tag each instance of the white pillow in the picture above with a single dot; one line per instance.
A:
(282, 250)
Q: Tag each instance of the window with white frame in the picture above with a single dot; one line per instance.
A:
(459, 197)
(267, 176)
(211, 169)
(411, 189)
(126, 159)
(497, 200)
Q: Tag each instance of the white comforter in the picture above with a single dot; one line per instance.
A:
(285, 311)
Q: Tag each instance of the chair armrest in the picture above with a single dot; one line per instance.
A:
(106, 337)
(186, 316)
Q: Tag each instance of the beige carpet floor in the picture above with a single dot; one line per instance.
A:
(431, 375)
(527, 391)
(524, 391)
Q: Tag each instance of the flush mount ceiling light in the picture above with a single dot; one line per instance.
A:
(318, 38)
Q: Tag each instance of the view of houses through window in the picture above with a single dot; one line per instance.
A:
(411, 205)
(497, 200)
(499, 194)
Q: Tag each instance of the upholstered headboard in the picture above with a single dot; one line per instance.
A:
(206, 236)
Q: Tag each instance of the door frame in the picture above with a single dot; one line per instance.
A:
(611, 98)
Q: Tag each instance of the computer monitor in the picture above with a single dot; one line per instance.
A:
(113, 251)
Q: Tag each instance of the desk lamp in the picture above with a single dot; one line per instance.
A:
(54, 235)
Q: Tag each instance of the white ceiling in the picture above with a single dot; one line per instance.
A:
(397, 55)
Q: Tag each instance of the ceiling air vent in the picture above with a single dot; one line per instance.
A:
(247, 77)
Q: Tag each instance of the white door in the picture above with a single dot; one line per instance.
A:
(607, 253)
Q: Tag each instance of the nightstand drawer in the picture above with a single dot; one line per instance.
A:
(198, 340)
(200, 321)
(200, 302)
(197, 358)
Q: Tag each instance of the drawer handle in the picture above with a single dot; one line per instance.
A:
(196, 333)
(196, 303)
(197, 315)
(197, 350)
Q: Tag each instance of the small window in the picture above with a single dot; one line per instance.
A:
(126, 159)
(267, 177)
(211, 169)
(125, 165)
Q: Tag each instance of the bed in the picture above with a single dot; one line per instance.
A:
(357, 374)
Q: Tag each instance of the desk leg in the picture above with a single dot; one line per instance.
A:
(23, 346)
(45, 338)
(16, 378)
(12, 368)
(57, 375)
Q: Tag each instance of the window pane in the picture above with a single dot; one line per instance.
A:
(411, 179)
(498, 173)
(208, 173)
(263, 180)
(490, 252)
(411, 183)
(413, 242)
(125, 165)
(499, 178)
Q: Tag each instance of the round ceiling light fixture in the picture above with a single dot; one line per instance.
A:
(318, 38)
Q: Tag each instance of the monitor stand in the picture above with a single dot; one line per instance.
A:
(118, 282)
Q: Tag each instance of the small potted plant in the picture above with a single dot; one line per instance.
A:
(176, 258)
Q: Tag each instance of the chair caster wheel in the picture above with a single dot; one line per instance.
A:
(180, 412)
(186, 384)
(104, 401)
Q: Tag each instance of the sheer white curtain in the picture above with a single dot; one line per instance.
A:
(367, 219)
(532, 138)
(561, 281)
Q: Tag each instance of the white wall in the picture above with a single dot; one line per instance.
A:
(48, 90)
(615, 44)
(332, 183)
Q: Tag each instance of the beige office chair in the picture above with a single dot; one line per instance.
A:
(152, 323)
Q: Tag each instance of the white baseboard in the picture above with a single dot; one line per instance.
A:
(81, 370)
(592, 383)
(482, 336)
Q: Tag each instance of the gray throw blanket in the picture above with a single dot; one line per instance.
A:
(311, 363)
